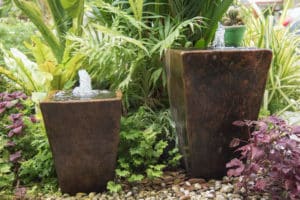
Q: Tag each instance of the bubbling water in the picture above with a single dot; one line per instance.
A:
(85, 86)
(83, 91)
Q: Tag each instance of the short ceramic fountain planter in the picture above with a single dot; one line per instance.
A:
(83, 131)
(84, 136)
(208, 91)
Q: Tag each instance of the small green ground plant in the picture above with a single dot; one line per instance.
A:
(146, 146)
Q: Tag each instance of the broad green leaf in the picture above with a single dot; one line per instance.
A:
(122, 173)
(135, 177)
(5, 168)
(40, 51)
(73, 7)
(113, 187)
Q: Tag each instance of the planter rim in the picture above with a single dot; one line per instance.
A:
(234, 26)
(48, 100)
(218, 50)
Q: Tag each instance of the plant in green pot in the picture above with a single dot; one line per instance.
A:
(234, 27)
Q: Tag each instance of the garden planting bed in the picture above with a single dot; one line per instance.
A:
(172, 185)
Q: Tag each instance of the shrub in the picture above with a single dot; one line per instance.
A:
(270, 161)
(147, 146)
(15, 32)
(24, 149)
(283, 84)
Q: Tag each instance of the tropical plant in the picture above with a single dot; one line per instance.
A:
(283, 85)
(55, 65)
(211, 11)
(126, 40)
(270, 159)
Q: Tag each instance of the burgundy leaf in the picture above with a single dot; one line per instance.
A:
(14, 157)
(234, 143)
(262, 138)
(8, 97)
(10, 104)
(286, 170)
(17, 130)
(15, 116)
(256, 153)
(2, 110)
(254, 167)
(237, 167)
(261, 184)
(262, 126)
(298, 186)
(10, 133)
(288, 184)
(296, 130)
(33, 119)
(10, 144)
(3, 104)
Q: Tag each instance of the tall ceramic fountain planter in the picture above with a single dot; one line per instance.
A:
(208, 91)
(84, 136)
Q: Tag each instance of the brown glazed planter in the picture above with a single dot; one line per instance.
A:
(84, 137)
(208, 91)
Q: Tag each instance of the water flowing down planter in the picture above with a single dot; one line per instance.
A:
(84, 137)
(208, 91)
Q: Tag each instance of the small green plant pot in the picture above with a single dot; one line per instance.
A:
(234, 35)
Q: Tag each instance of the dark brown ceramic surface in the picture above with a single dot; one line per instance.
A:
(84, 137)
(208, 90)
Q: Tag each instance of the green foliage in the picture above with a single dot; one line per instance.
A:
(13, 33)
(211, 11)
(38, 167)
(113, 187)
(283, 85)
(145, 139)
(5, 7)
(21, 134)
(125, 50)
(55, 64)
(6, 175)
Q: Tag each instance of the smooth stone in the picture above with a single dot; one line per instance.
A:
(128, 194)
(220, 197)
(226, 188)
(185, 197)
(197, 186)
(92, 194)
(80, 195)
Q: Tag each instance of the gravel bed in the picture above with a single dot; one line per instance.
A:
(173, 185)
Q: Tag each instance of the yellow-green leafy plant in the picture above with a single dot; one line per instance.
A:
(283, 85)
(55, 64)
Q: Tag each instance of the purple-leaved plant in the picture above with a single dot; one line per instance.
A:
(270, 160)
